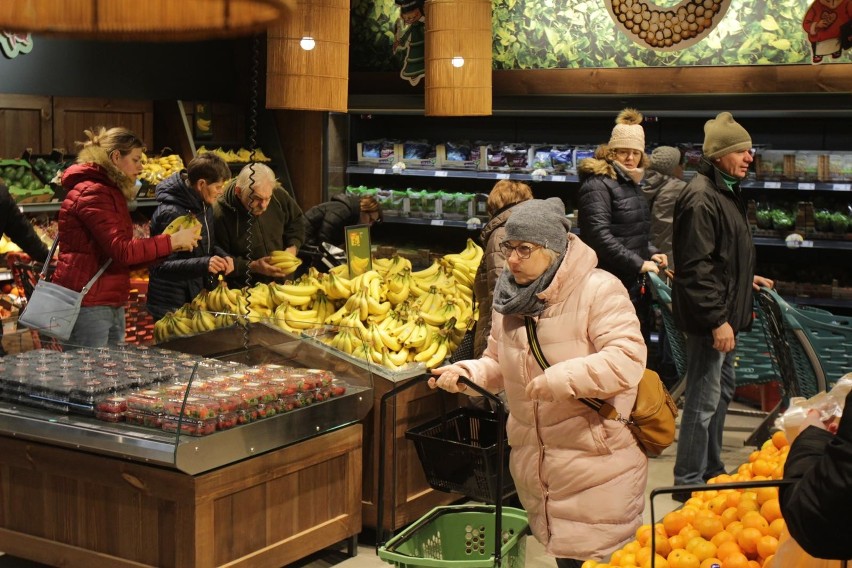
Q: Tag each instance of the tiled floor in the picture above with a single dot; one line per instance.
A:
(660, 474)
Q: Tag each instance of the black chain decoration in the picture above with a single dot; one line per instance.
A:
(252, 142)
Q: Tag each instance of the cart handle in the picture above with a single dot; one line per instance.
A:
(498, 506)
(705, 487)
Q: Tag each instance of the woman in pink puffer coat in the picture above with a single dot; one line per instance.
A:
(581, 478)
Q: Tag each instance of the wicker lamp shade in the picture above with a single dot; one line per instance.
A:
(315, 78)
(458, 28)
(145, 20)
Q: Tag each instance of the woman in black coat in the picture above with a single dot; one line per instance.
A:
(327, 221)
(20, 231)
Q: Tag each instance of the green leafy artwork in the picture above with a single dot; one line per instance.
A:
(555, 34)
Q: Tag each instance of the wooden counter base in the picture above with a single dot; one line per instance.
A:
(64, 507)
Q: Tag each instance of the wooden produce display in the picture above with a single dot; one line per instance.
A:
(65, 507)
(26, 121)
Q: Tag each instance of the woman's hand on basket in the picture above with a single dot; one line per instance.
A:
(447, 378)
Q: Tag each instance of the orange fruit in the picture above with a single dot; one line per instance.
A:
(732, 499)
(764, 494)
(729, 515)
(752, 456)
(779, 439)
(762, 467)
(643, 535)
(590, 564)
(709, 562)
(689, 511)
(688, 532)
(718, 504)
(735, 560)
(727, 548)
(769, 562)
(615, 558)
(766, 546)
(663, 547)
(721, 537)
(756, 521)
(753, 564)
(694, 502)
(674, 522)
(745, 506)
(704, 550)
(771, 510)
(632, 547)
(676, 542)
(735, 528)
(708, 495)
(747, 539)
(642, 555)
(776, 527)
(709, 526)
(659, 562)
(683, 559)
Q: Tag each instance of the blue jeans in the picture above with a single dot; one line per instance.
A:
(98, 326)
(709, 390)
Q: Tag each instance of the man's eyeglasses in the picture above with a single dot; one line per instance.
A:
(523, 251)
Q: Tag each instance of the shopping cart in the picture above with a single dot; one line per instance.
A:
(460, 535)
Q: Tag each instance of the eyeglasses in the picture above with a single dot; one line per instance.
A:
(621, 153)
(523, 251)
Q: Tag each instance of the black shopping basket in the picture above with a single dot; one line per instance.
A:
(463, 535)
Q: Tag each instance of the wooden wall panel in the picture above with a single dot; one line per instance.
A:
(74, 115)
(26, 122)
(302, 145)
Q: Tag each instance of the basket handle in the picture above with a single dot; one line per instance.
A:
(501, 449)
(703, 487)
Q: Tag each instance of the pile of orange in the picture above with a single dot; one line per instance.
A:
(731, 528)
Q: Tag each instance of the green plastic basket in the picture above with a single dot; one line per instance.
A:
(460, 536)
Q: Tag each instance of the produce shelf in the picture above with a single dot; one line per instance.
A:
(53, 206)
(468, 174)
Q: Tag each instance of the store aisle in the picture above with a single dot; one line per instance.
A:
(737, 429)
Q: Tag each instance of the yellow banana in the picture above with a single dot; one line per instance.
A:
(438, 357)
(182, 326)
(180, 223)
(400, 357)
(432, 270)
(387, 361)
(377, 309)
(429, 351)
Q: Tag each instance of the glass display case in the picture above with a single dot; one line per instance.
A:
(193, 403)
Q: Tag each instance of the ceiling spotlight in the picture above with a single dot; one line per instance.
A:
(457, 61)
(307, 43)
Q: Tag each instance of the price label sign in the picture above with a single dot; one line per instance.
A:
(559, 178)
(441, 174)
(841, 186)
(437, 222)
(807, 244)
(807, 186)
(501, 176)
(380, 171)
(772, 185)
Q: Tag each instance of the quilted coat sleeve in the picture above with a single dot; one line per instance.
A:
(595, 212)
(818, 506)
(18, 228)
(97, 211)
(620, 352)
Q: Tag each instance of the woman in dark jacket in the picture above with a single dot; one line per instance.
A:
(614, 216)
(326, 222)
(95, 226)
(179, 278)
(20, 231)
(818, 506)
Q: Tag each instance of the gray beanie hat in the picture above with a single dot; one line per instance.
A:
(539, 221)
(723, 135)
(665, 159)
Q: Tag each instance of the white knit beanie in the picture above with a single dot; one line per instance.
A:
(628, 132)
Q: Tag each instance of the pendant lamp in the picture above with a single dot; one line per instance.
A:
(142, 20)
(458, 57)
(307, 58)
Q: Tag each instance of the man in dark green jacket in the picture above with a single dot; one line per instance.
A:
(252, 218)
(712, 293)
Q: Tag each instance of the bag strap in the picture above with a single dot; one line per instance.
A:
(602, 407)
(85, 290)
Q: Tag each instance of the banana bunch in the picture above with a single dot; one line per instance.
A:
(187, 221)
(222, 299)
(464, 265)
(284, 261)
(388, 267)
(300, 294)
(155, 170)
(243, 155)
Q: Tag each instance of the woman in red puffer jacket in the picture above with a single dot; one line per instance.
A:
(95, 227)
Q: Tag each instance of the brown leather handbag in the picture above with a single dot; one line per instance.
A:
(652, 420)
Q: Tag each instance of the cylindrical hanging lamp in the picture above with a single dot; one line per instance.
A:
(307, 62)
(458, 57)
(148, 20)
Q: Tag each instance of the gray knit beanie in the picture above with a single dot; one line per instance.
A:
(539, 221)
(724, 135)
(665, 159)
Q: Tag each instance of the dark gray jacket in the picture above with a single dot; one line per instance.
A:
(715, 256)
(661, 191)
(326, 221)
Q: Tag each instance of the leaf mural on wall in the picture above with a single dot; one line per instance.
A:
(552, 34)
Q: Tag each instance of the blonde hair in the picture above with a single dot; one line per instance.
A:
(369, 204)
(116, 138)
(507, 192)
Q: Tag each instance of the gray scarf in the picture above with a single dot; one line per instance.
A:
(510, 298)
